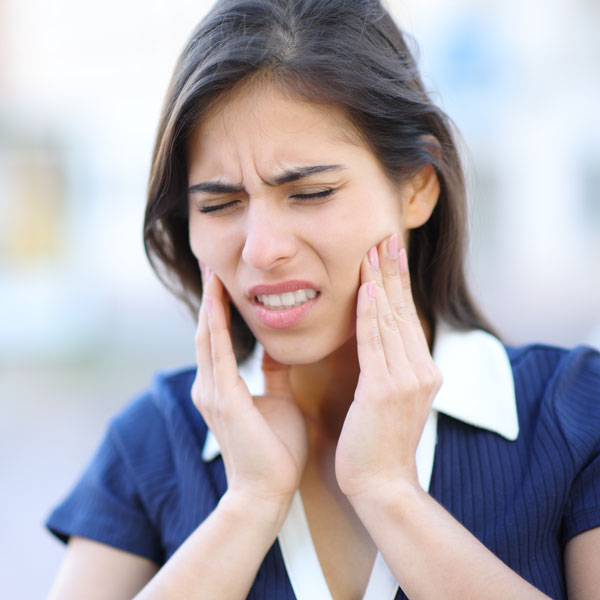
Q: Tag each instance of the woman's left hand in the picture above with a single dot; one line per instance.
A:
(397, 383)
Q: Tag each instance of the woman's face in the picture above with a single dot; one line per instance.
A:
(284, 197)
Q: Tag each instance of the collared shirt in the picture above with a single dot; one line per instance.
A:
(517, 462)
(468, 362)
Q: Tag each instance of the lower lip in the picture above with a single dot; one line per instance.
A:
(285, 318)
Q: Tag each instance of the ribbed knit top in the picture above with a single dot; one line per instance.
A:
(147, 488)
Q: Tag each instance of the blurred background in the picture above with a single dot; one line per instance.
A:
(84, 322)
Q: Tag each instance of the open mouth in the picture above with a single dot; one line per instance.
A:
(286, 300)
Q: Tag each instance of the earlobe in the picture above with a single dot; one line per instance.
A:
(423, 192)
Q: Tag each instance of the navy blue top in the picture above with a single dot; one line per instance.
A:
(147, 489)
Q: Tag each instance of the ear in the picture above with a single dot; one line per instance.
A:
(421, 195)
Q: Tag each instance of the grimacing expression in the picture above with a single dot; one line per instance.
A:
(283, 190)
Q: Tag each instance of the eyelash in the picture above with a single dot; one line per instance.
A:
(315, 196)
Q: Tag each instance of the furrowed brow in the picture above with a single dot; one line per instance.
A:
(215, 187)
(301, 172)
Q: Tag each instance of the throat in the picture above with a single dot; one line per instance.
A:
(325, 390)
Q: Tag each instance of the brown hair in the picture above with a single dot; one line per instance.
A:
(347, 53)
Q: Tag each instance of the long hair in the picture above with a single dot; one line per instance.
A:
(347, 53)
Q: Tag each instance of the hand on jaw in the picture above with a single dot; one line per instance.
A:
(263, 440)
(397, 383)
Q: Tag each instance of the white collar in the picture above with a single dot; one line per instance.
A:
(478, 389)
(478, 386)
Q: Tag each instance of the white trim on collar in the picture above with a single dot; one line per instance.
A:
(478, 386)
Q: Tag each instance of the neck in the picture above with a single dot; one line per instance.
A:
(325, 389)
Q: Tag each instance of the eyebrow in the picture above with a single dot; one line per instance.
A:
(215, 187)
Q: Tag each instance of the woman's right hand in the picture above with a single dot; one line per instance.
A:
(262, 439)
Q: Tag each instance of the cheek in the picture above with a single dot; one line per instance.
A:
(211, 245)
(196, 238)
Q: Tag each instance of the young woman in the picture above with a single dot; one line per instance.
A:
(397, 448)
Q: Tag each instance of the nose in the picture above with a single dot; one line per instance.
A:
(270, 240)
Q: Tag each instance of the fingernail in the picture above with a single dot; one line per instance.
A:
(392, 246)
(373, 258)
(403, 261)
(371, 289)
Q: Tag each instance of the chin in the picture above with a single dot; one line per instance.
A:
(303, 351)
(288, 356)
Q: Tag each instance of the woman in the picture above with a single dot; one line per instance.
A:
(300, 172)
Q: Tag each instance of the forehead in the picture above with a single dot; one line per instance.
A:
(272, 124)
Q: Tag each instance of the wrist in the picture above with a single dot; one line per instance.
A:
(391, 494)
(264, 512)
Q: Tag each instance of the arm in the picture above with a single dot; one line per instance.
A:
(430, 553)
(94, 571)
(219, 560)
(582, 561)
(263, 446)
(445, 560)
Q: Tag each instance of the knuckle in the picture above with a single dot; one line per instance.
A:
(199, 397)
(412, 384)
(375, 341)
(403, 311)
(405, 277)
(432, 377)
(438, 379)
(392, 273)
(390, 321)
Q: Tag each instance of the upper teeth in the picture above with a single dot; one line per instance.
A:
(287, 299)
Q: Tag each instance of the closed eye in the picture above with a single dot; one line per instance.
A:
(216, 207)
(302, 197)
(322, 194)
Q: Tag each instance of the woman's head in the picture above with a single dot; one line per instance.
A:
(346, 61)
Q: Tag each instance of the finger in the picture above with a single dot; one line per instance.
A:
(218, 290)
(369, 343)
(277, 376)
(396, 281)
(224, 365)
(227, 307)
(202, 389)
(392, 343)
(204, 376)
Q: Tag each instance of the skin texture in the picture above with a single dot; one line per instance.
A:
(348, 389)
(268, 235)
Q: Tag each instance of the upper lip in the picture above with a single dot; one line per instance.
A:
(292, 285)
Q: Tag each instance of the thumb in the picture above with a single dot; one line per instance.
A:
(277, 376)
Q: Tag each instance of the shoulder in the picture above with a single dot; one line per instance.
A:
(166, 399)
(560, 387)
(558, 373)
(162, 415)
